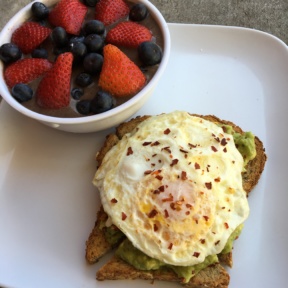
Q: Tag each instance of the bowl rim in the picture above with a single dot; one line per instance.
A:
(24, 14)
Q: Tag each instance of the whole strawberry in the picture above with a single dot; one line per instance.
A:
(25, 70)
(53, 91)
(119, 75)
(109, 11)
(128, 34)
(68, 14)
(29, 36)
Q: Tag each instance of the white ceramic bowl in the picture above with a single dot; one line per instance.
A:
(89, 123)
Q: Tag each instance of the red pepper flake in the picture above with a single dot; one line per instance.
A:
(146, 143)
(153, 164)
(147, 172)
(187, 212)
(174, 162)
(191, 145)
(170, 246)
(223, 142)
(224, 129)
(183, 175)
(162, 188)
(152, 213)
(202, 241)
(226, 225)
(156, 191)
(129, 151)
(217, 242)
(155, 227)
(114, 201)
(206, 218)
(167, 131)
(218, 179)
(168, 199)
(188, 205)
(183, 151)
(208, 185)
(225, 150)
(196, 165)
(154, 155)
(166, 213)
(214, 149)
(167, 149)
(196, 254)
(156, 143)
(124, 216)
(159, 177)
(156, 172)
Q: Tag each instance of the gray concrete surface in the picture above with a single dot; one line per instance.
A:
(266, 15)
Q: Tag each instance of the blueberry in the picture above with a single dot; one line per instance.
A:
(77, 93)
(9, 53)
(78, 50)
(76, 39)
(94, 43)
(90, 3)
(93, 27)
(149, 53)
(83, 79)
(102, 102)
(92, 63)
(39, 53)
(83, 107)
(138, 12)
(22, 92)
(39, 10)
(59, 37)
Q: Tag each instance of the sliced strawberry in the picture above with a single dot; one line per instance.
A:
(109, 11)
(119, 75)
(53, 91)
(128, 34)
(29, 36)
(25, 70)
(69, 14)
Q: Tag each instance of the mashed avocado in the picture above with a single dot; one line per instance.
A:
(244, 143)
(141, 261)
(229, 245)
(113, 235)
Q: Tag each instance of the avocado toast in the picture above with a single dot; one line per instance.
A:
(103, 239)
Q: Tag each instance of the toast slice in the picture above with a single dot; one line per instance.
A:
(214, 276)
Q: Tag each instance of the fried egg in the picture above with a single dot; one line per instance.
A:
(173, 186)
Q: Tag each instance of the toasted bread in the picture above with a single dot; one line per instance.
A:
(214, 276)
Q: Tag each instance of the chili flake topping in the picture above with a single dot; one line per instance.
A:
(129, 151)
(167, 131)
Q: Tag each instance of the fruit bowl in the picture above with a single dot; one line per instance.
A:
(91, 123)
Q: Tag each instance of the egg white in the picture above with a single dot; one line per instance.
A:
(174, 188)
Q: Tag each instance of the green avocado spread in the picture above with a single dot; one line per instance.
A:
(244, 143)
(127, 252)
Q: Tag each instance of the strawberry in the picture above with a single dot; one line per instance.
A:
(128, 34)
(29, 36)
(53, 91)
(119, 75)
(109, 11)
(69, 14)
(25, 70)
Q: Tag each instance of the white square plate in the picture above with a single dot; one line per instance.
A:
(48, 204)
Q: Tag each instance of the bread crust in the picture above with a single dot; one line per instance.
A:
(214, 276)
